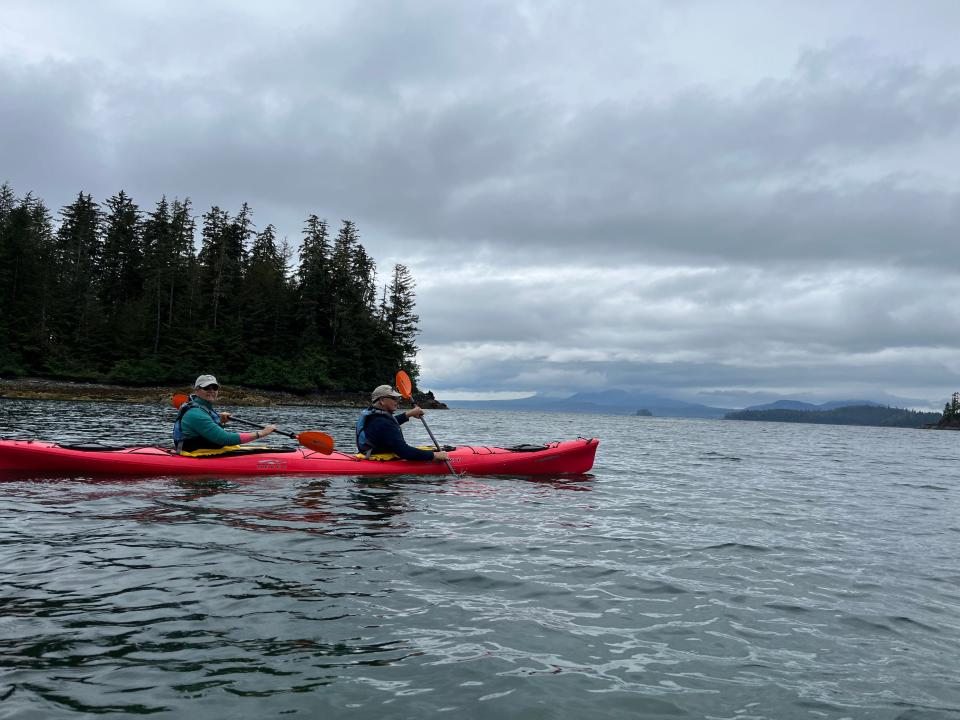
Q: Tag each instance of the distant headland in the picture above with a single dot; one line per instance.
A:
(644, 404)
(951, 414)
(871, 415)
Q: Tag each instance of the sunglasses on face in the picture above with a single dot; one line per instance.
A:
(211, 387)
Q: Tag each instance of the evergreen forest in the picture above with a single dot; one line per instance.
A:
(851, 415)
(951, 412)
(114, 293)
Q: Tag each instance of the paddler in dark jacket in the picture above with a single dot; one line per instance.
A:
(378, 428)
(198, 426)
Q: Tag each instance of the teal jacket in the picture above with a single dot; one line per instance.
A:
(200, 430)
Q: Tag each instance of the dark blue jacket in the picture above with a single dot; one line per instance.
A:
(382, 434)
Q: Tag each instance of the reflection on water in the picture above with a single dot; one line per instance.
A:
(704, 569)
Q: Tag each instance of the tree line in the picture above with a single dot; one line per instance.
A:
(850, 415)
(114, 293)
(951, 412)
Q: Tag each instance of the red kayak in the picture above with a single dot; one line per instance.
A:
(24, 456)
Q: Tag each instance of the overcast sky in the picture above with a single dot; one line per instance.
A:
(719, 201)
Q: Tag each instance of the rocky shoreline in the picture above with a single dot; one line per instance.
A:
(44, 389)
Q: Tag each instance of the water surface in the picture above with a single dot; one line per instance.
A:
(706, 569)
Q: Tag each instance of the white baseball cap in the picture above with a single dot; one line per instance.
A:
(205, 381)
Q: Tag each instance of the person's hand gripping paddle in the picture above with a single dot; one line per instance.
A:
(405, 388)
(313, 439)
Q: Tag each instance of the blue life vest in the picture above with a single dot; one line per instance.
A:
(194, 443)
(363, 444)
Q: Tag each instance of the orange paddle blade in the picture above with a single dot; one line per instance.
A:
(316, 440)
(179, 399)
(404, 386)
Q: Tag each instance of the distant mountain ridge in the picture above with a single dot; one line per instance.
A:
(623, 402)
(604, 402)
(811, 407)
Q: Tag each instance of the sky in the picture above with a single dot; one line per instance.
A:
(721, 202)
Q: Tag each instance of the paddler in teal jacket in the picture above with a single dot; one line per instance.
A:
(198, 426)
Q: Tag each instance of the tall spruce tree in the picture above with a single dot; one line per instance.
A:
(362, 351)
(345, 292)
(264, 295)
(121, 277)
(168, 259)
(26, 282)
(157, 251)
(183, 277)
(77, 252)
(121, 266)
(399, 317)
(221, 261)
(313, 284)
(9, 357)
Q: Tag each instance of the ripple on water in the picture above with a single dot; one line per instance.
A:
(704, 569)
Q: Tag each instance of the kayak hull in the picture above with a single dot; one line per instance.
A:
(24, 456)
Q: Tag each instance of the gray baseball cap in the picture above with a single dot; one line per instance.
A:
(384, 391)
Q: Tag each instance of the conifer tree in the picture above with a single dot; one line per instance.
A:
(951, 411)
(8, 201)
(264, 294)
(344, 292)
(121, 265)
(357, 340)
(398, 314)
(41, 241)
(77, 253)
(157, 250)
(220, 264)
(183, 281)
(170, 283)
(26, 280)
(313, 283)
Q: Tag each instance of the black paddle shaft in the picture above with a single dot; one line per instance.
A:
(435, 443)
(258, 425)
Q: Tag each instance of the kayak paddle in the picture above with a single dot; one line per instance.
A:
(313, 439)
(405, 388)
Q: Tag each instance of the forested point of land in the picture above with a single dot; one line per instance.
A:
(113, 293)
(951, 414)
(851, 415)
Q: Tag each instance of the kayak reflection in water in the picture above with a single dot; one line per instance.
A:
(378, 428)
(199, 426)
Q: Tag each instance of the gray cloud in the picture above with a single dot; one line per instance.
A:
(633, 194)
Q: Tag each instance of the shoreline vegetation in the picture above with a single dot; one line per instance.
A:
(951, 414)
(48, 389)
(114, 293)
